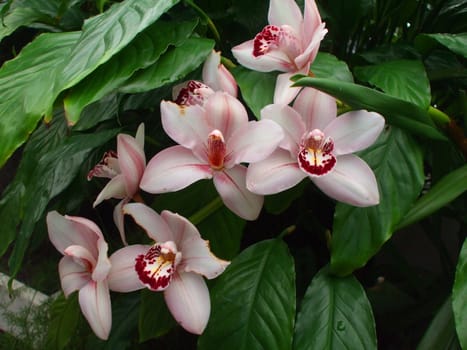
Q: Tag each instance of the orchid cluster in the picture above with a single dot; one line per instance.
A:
(300, 135)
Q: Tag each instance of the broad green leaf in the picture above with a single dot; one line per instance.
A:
(396, 111)
(257, 88)
(329, 66)
(459, 299)
(455, 42)
(27, 88)
(106, 34)
(444, 191)
(175, 64)
(155, 319)
(253, 301)
(104, 109)
(404, 79)
(335, 314)
(358, 233)
(64, 317)
(441, 334)
(143, 51)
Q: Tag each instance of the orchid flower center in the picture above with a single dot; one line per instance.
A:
(273, 37)
(194, 93)
(108, 166)
(216, 150)
(315, 157)
(156, 268)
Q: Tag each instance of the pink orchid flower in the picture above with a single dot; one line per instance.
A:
(214, 139)
(175, 265)
(125, 169)
(84, 267)
(288, 44)
(319, 145)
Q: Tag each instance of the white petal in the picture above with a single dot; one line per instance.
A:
(231, 186)
(284, 93)
(94, 299)
(150, 221)
(316, 108)
(73, 276)
(180, 229)
(217, 77)
(285, 12)
(354, 131)
(101, 270)
(309, 54)
(122, 276)
(275, 174)
(271, 61)
(132, 162)
(311, 19)
(115, 188)
(187, 298)
(118, 217)
(351, 181)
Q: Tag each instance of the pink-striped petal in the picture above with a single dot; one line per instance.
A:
(122, 276)
(309, 54)
(180, 229)
(173, 169)
(254, 142)
(154, 225)
(311, 20)
(285, 12)
(81, 255)
(284, 93)
(316, 108)
(132, 162)
(275, 174)
(94, 300)
(73, 276)
(216, 76)
(187, 298)
(115, 188)
(354, 131)
(118, 217)
(231, 186)
(351, 181)
(291, 123)
(102, 267)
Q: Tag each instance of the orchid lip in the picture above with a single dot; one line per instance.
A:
(216, 150)
(315, 157)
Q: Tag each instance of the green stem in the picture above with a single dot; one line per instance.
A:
(287, 231)
(206, 211)
(208, 20)
(438, 116)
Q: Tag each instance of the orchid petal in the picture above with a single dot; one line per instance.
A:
(231, 186)
(275, 174)
(132, 162)
(216, 76)
(227, 81)
(291, 123)
(225, 113)
(187, 298)
(122, 276)
(311, 19)
(180, 229)
(102, 267)
(271, 61)
(285, 12)
(94, 300)
(351, 181)
(73, 276)
(115, 188)
(316, 108)
(173, 169)
(310, 52)
(81, 254)
(139, 137)
(155, 226)
(118, 217)
(284, 93)
(354, 131)
(254, 142)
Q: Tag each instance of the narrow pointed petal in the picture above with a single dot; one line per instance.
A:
(284, 93)
(187, 298)
(122, 276)
(119, 221)
(354, 131)
(254, 142)
(132, 162)
(102, 267)
(81, 254)
(181, 229)
(227, 81)
(275, 174)
(285, 12)
(316, 108)
(225, 113)
(150, 221)
(173, 169)
(115, 188)
(94, 300)
(310, 52)
(311, 19)
(139, 137)
(231, 186)
(216, 76)
(291, 123)
(73, 276)
(351, 181)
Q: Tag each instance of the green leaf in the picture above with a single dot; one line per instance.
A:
(64, 317)
(106, 34)
(444, 191)
(143, 51)
(455, 42)
(335, 314)
(329, 66)
(459, 293)
(358, 233)
(175, 64)
(441, 334)
(404, 79)
(396, 111)
(155, 318)
(257, 88)
(27, 89)
(253, 301)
